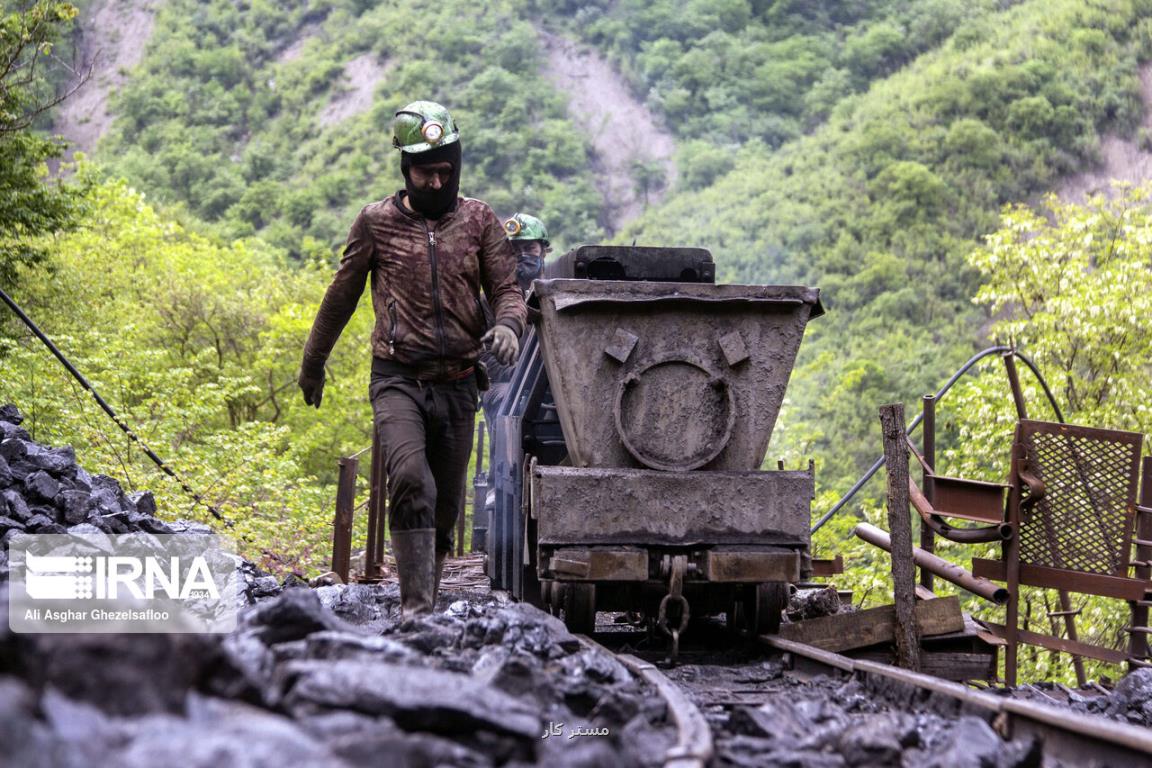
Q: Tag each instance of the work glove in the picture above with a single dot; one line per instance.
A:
(505, 345)
(311, 383)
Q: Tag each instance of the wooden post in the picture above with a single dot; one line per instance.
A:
(900, 523)
(342, 523)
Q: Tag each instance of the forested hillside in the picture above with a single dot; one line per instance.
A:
(862, 147)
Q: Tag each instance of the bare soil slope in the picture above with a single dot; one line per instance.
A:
(1121, 159)
(111, 37)
(623, 132)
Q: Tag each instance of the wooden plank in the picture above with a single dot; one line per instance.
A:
(955, 666)
(843, 631)
(823, 568)
(1059, 578)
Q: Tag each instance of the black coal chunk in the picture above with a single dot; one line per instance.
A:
(294, 615)
(122, 674)
(416, 699)
(73, 506)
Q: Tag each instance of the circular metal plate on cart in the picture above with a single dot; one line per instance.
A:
(674, 415)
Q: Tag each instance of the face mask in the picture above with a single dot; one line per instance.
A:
(528, 268)
(433, 203)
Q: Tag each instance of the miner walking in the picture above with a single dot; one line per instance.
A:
(428, 253)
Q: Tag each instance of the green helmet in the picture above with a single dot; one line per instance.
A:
(423, 125)
(522, 226)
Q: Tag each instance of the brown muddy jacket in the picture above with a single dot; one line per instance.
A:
(426, 278)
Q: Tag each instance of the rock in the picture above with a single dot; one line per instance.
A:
(971, 743)
(10, 414)
(416, 699)
(343, 645)
(432, 632)
(28, 742)
(73, 506)
(82, 481)
(1134, 689)
(91, 531)
(264, 586)
(7, 523)
(6, 477)
(13, 449)
(9, 430)
(103, 501)
(40, 486)
(120, 674)
(222, 733)
(17, 506)
(294, 615)
(41, 523)
(144, 502)
(813, 603)
(59, 462)
(402, 749)
(149, 524)
(877, 740)
(191, 526)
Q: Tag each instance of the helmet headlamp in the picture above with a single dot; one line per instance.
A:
(432, 131)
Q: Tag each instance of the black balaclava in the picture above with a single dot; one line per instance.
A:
(433, 203)
(528, 268)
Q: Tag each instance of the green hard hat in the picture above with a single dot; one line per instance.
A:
(423, 125)
(522, 226)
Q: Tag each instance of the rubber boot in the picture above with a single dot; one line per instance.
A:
(415, 553)
(440, 558)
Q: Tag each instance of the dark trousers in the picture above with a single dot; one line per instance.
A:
(425, 433)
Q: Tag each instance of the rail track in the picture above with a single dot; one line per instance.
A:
(699, 696)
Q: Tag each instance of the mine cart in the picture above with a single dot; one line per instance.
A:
(628, 454)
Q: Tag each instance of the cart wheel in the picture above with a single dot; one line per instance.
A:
(763, 604)
(580, 608)
(552, 597)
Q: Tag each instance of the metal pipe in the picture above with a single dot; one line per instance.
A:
(916, 422)
(946, 570)
(927, 537)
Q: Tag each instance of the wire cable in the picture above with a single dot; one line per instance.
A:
(108, 409)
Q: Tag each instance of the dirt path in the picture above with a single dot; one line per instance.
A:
(111, 36)
(1121, 159)
(622, 130)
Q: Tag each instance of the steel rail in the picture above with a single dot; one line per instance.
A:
(694, 748)
(1075, 737)
(920, 417)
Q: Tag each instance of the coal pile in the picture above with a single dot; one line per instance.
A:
(328, 677)
(1129, 701)
(311, 677)
(43, 490)
(836, 723)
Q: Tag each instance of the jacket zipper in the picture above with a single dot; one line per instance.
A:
(436, 291)
(392, 330)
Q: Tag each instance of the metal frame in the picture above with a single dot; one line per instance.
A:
(1034, 510)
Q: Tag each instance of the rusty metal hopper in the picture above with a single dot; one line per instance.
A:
(670, 376)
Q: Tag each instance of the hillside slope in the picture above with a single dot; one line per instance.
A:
(860, 147)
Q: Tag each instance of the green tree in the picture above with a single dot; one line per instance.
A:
(30, 203)
(1072, 286)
